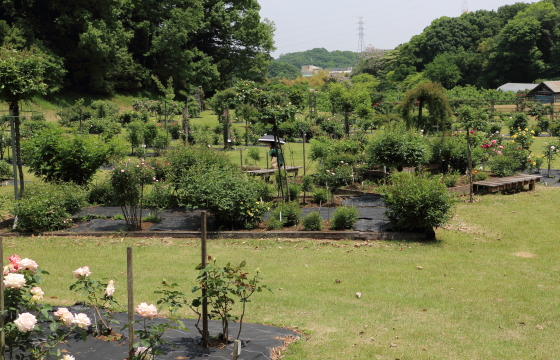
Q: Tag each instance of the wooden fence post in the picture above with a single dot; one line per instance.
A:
(130, 282)
(203, 234)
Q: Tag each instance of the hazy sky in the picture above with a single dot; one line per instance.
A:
(306, 24)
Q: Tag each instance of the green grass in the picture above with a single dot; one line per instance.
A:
(485, 284)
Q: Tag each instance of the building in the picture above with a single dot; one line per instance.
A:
(515, 87)
(546, 92)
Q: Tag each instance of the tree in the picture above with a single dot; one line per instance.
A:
(56, 156)
(369, 61)
(282, 70)
(22, 75)
(431, 95)
(444, 71)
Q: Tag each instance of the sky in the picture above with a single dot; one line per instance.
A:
(334, 25)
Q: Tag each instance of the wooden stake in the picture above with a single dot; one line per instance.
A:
(236, 349)
(203, 262)
(129, 279)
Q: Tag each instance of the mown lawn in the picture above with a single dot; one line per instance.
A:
(488, 288)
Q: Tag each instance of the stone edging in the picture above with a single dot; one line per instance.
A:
(331, 235)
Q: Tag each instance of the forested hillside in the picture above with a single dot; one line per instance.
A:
(516, 43)
(109, 45)
(320, 57)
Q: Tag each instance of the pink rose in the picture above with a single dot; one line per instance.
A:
(64, 316)
(28, 264)
(25, 322)
(37, 293)
(82, 272)
(146, 310)
(14, 261)
(81, 320)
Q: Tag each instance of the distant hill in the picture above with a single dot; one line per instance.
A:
(320, 57)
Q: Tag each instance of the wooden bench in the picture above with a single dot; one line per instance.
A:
(268, 172)
(509, 182)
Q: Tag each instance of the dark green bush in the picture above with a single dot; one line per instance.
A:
(226, 192)
(294, 191)
(320, 195)
(291, 213)
(416, 202)
(100, 194)
(519, 120)
(274, 224)
(48, 207)
(344, 217)
(312, 221)
(398, 148)
(6, 170)
(265, 192)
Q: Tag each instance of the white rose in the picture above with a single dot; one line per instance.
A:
(28, 264)
(68, 357)
(14, 281)
(37, 293)
(146, 310)
(25, 322)
(64, 315)
(81, 320)
(110, 289)
(81, 272)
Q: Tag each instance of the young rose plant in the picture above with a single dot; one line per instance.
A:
(24, 315)
(128, 181)
(99, 295)
(150, 334)
(224, 285)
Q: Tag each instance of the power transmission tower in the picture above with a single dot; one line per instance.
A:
(465, 7)
(361, 35)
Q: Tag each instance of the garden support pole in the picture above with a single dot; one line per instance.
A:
(129, 280)
(2, 338)
(304, 173)
(203, 264)
(236, 349)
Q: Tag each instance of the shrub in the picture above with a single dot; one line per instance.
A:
(344, 217)
(320, 195)
(312, 221)
(100, 194)
(264, 191)
(334, 178)
(294, 191)
(6, 171)
(291, 213)
(451, 179)
(307, 183)
(397, 148)
(48, 207)
(479, 175)
(274, 224)
(518, 120)
(160, 198)
(226, 192)
(416, 202)
(55, 156)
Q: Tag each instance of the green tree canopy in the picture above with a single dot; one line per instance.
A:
(433, 97)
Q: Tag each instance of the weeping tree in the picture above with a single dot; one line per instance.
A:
(431, 96)
(25, 74)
